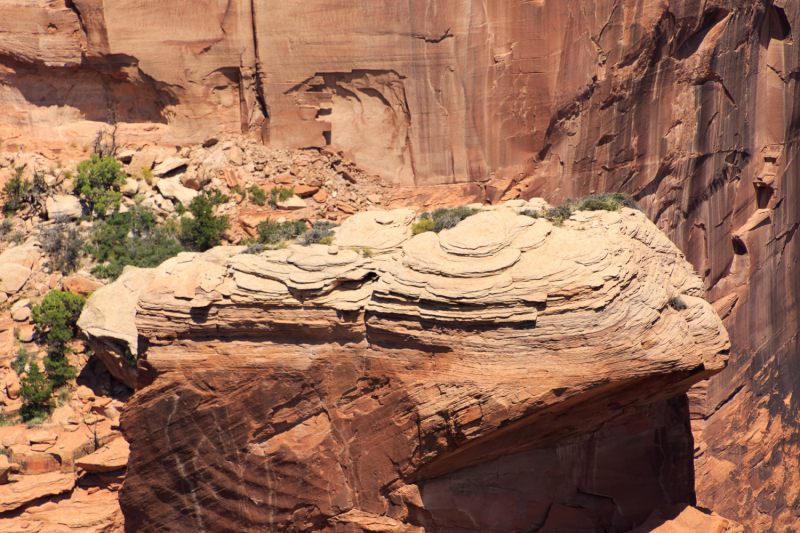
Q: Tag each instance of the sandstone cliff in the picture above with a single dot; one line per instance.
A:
(502, 375)
(688, 105)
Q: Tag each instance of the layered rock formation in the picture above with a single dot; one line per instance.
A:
(505, 374)
(688, 105)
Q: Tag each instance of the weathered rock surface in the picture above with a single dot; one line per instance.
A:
(111, 457)
(62, 206)
(24, 489)
(502, 375)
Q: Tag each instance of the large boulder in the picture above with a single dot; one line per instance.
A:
(537, 370)
(12, 277)
(173, 189)
(61, 206)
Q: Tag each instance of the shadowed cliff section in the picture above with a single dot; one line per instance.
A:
(536, 369)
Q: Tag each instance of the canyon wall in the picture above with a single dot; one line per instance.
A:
(687, 105)
(506, 374)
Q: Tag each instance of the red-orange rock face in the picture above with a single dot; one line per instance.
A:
(502, 375)
(688, 105)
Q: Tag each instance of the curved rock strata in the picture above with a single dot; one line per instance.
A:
(504, 374)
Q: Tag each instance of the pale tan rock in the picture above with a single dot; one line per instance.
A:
(26, 254)
(22, 314)
(173, 189)
(169, 165)
(292, 203)
(130, 188)
(143, 160)
(63, 206)
(112, 456)
(12, 277)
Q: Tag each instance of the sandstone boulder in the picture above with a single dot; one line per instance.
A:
(12, 277)
(111, 457)
(503, 360)
(63, 206)
(170, 164)
(173, 189)
(292, 203)
(81, 285)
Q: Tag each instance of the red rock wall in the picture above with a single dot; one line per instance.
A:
(688, 105)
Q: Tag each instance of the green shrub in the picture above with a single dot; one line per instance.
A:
(36, 391)
(271, 233)
(676, 303)
(258, 195)
(58, 369)
(98, 182)
(64, 246)
(205, 230)
(424, 225)
(21, 361)
(56, 317)
(442, 219)
(321, 233)
(279, 195)
(131, 238)
(18, 192)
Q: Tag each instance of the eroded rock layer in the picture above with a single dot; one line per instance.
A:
(503, 374)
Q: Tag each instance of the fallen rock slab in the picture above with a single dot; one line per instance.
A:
(81, 285)
(23, 489)
(111, 457)
(173, 189)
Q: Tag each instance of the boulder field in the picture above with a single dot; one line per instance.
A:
(507, 374)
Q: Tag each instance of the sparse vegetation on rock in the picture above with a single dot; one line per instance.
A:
(132, 238)
(442, 219)
(676, 303)
(274, 233)
(64, 245)
(597, 202)
(321, 233)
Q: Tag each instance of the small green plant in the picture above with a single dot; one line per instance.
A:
(365, 252)
(98, 182)
(63, 396)
(423, 226)
(21, 361)
(36, 391)
(258, 195)
(279, 195)
(132, 238)
(147, 175)
(205, 230)
(179, 209)
(442, 219)
(321, 233)
(676, 303)
(272, 233)
(6, 227)
(64, 246)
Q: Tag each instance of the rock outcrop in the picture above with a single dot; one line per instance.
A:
(505, 374)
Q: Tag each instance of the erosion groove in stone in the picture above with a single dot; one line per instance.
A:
(316, 388)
